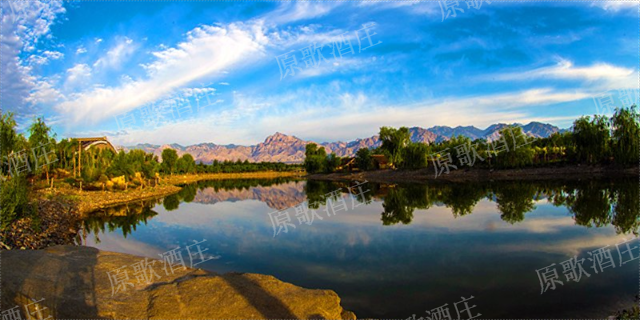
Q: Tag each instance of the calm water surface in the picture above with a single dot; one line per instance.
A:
(403, 249)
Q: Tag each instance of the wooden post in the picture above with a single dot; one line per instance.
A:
(79, 159)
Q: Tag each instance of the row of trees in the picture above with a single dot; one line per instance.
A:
(591, 140)
(26, 156)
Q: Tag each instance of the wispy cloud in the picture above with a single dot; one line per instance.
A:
(566, 70)
(117, 55)
(207, 51)
(331, 114)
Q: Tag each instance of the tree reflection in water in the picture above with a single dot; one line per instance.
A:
(125, 217)
(592, 203)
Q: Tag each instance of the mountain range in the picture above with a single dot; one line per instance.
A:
(280, 147)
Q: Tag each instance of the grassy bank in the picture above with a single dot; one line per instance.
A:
(59, 211)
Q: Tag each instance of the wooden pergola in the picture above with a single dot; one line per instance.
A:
(86, 144)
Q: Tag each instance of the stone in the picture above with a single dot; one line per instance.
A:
(74, 282)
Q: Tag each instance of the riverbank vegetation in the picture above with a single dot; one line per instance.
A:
(596, 140)
(36, 160)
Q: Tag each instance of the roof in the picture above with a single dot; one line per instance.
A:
(347, 161)
(87, 143)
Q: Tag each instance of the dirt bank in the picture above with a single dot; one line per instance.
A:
(576, 172)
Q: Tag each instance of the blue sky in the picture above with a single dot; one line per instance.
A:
(190, 72)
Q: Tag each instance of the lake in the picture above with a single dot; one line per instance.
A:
(392, 251)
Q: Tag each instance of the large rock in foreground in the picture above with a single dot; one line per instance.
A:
(74, 283)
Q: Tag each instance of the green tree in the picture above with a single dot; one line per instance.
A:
(120, 166)
(315, 158)
(591, 138)
(169, 160)
(515, 157)
(364, 159)
(394, 141)
(186, 164)
(42, 147)
(626, 135)
(453, 145)
(332, 161)
(8, 139)
(415, 155)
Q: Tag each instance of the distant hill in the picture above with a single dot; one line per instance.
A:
(280, 147)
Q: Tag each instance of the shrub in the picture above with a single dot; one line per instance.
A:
(14, 200)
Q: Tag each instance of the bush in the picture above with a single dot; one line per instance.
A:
(14, 200)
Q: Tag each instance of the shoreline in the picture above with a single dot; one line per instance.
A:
(89, 201)
(568, 172)
(60, 211)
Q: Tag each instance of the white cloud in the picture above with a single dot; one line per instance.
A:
(299, 11)
(44, 92)
(331, 66)
(117, 55)
(44, 57)
(81, 50)
(190, 92)
(329, 114)
(615, 6)
(78, 72)
(616, 77)
(23, 24)
(207, 52)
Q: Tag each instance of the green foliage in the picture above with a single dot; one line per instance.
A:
(415, 156)
(400, 203)
(315, 158)
(332, 161)
(394, 141)
(171, 202)
(519, 157)
(462, 150)
(121, 166)
(514, 200)
(592, 139)
(169, 161)
(43, 154)
(186, 164)
(626, 136)
(8, 139)
(364, 160)
(14, 200)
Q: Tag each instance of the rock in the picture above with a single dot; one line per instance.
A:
(74, 284)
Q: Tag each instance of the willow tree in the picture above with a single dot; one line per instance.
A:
(592, 138)
(626, 135)
(520, 153)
